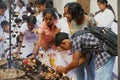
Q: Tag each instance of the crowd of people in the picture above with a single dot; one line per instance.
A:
(36, 29)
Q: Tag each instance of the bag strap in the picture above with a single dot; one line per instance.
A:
(80, 32)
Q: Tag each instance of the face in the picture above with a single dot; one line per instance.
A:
(2, 12)
(19, 4)
(30, 26)
(41, 8)
(49, 19)
(6, 28)
(101, 6)
(65, 45)
(67, 14)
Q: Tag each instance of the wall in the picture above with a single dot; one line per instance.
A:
(85, 4)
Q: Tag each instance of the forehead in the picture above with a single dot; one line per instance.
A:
(100, 3)
(66, 8)
(6, 25)
(31, 24)
(39, 5)
(48, 15)
(2, 10)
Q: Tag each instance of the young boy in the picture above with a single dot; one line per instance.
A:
(101, 60)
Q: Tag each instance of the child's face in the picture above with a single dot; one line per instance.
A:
(41, 8)
(2, 12)
(30, 26)
(65, 45)
(49, 19)
(6, 28)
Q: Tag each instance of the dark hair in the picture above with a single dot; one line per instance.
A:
(59, 37)
(40, 2)
(76, 10)
(49, 3)
(31, 19)
(4, 22)
(31, 4)
(24, 17)
(29, 9)
(3, 5)
(50, 11)
(107, 6)
(17, 20)
(68, 4)
(23, 4)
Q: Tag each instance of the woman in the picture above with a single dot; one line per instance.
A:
(46, 32)
(106, 15)
(27, 37)
(65, 23)
(106, 18)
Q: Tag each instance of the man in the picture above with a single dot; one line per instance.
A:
(103, 61)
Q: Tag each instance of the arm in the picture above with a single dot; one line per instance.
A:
(78, 59)
(36, 47)
(57, 30)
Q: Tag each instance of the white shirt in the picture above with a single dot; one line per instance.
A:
(105, 18)
(28, 41)
(64, 58)
(114, 27)
(39, 18)
(28, 36)
(21, 11)
(63, 25)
